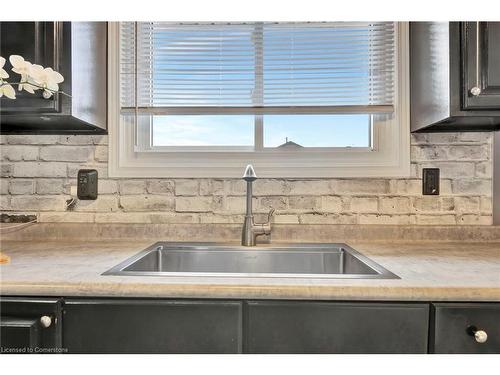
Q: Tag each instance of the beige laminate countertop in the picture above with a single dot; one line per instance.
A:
(429, 271)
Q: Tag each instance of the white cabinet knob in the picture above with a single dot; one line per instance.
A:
(481, 336)
(46, 321)
(475, 91)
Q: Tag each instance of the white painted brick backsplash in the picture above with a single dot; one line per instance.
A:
(65, 153)
(426, 204)
(38, 170)
(475, 220)
(436, 219)
(325, 218)
(212, 187)
(486, 205)
(19, 153)
(160, 187)
(303, 203)
(5, 202)
(358, 186)
(6, 169)
(282, 187)
(33, 169)
(4, 186)
(101, 153)
(331, 204)
(286, 219)
(67, 217)
(32, 139)
(467, 204)
(38, 202)
(233, 205)
(128, 187)
(217, 218)
(81, 139)
(146, 203)
(188, 187)
(101, 168)
(394, 204)
(105, 203)
(311, 187)
(234, 187)
(484, 170)
(472, 186)
(364, 204)
(19, 186)
(406, 187)
(145, 217)
(281, 203)
(384, 219)
(51, 186)
(198, 204)
(106, 186)
(449, 169)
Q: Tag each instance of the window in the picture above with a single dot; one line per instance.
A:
(296, 99)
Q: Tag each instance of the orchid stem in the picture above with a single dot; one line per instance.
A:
(3, 83)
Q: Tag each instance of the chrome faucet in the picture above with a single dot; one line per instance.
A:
(250, 229)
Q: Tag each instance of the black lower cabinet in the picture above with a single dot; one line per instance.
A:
(30, 325)
(466, 328)
(130, 325)
(331, 327)
(152, 326)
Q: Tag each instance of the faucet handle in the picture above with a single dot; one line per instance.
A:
(270, 215)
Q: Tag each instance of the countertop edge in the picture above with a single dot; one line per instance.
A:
(289, 292)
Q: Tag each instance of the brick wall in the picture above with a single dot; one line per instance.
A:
(37, 172)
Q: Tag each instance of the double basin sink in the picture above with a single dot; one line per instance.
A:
(332, 261)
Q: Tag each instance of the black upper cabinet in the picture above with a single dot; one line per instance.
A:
(455, 76)
(481, 65)
(78, 50)
(40, 51)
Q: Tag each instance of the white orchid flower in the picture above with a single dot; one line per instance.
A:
(33, 77)
(47, 78)
(3, 72)
(7, 90)
(22, 67)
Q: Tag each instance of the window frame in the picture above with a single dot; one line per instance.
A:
(388, 155)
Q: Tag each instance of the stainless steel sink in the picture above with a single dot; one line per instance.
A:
(337, 261)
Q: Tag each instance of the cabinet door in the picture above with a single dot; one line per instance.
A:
(19, 335)
(40, 43)
(331, 327)
(455, 323)
(152, 326)
(481, 65)
(21, 328)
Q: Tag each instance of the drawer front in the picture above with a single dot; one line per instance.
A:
(21, 327)
(152, 326)
(330, 327)
(451, 327)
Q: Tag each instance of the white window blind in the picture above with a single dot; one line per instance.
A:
(331, 67)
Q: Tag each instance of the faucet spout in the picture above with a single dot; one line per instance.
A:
(250, 229)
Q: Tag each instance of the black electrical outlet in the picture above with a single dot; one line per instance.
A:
(430, 181)
(87, 184)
